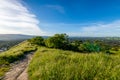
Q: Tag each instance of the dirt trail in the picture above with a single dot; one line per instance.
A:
(19, 69)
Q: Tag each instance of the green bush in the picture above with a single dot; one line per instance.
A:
(58, 41)
(61, 41)
(89, 47)
(37, 40)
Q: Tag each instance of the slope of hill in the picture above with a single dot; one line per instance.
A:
(54, 64)
(13, 54)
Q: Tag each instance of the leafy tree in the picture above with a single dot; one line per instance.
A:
(49, 42)
(89, 47)
(58, 41)
(37, 40)
(76, 43)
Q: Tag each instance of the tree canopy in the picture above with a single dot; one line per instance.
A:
(37, 40)
(57, 41)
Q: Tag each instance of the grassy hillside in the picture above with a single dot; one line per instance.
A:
(13, 54)
(53, 64)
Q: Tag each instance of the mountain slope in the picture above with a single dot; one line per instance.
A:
(14, 36)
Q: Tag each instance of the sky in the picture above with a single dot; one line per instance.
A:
(91, 18)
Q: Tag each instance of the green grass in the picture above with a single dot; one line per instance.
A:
(14, 54)
(53, 64)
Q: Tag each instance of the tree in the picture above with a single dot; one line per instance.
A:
(49, 42)
(89, 47)
(37, 40)
(58, 41)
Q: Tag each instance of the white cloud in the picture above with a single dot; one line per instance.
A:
(15, 18)
(88, 29)
(109, 29)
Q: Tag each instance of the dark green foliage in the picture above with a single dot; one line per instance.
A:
(50, 42)
(37, 40)
(76, 42)
(74, 45)
(58, 41)
(89, 47)
(62, 41)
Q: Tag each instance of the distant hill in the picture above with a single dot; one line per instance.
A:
(4, 37)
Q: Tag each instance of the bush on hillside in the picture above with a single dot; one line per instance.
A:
(89, 47)
(37, 40)
(58, 41)
(61, 41)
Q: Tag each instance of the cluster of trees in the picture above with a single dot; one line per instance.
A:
(61, 41)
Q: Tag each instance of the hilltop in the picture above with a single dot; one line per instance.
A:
(57, 58)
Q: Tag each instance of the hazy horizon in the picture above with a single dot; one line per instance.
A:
(86, 18)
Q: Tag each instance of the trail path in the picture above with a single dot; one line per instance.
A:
(18, 69)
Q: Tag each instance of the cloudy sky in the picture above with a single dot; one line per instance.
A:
(47, 17)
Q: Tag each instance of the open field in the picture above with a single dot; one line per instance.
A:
(54, 64)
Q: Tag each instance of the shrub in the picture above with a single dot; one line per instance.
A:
(37, 40)
(58, 41)
(89, 47)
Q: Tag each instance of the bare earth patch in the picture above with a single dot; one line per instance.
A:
(18, 69)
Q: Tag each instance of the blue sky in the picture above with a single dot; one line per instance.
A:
(75, 11)
(74, 17)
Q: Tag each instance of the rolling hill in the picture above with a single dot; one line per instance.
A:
(5, 37)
